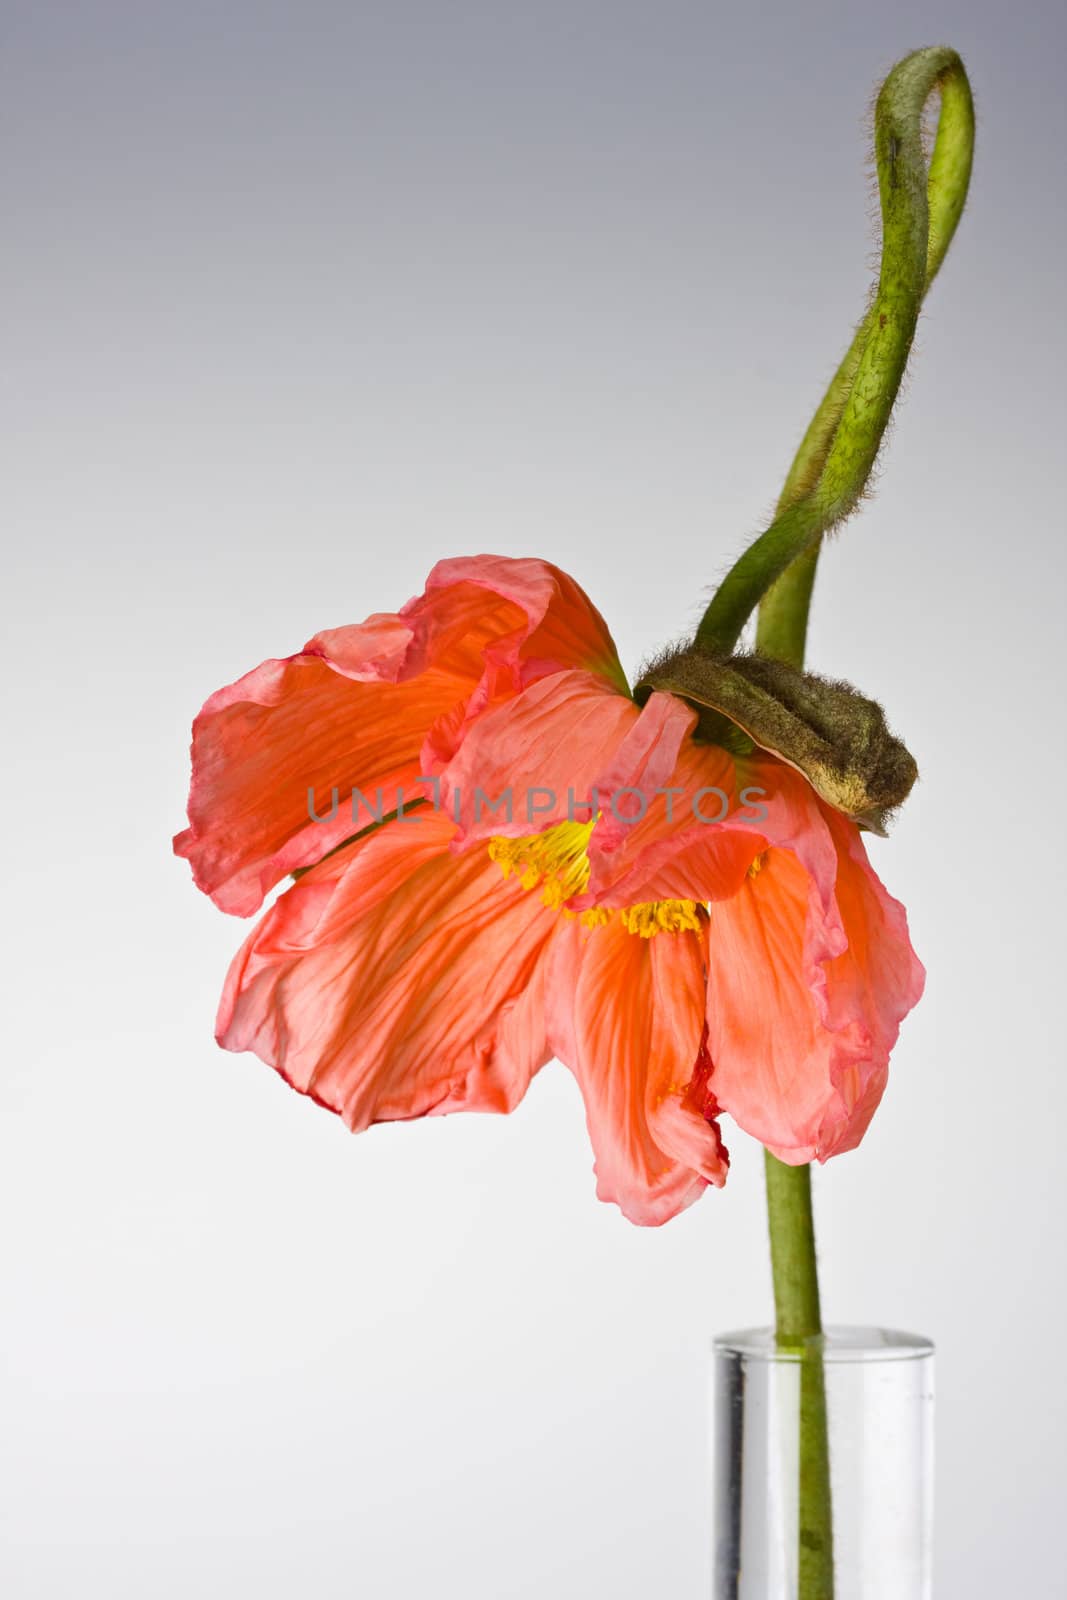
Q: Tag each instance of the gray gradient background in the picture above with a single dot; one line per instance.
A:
(298, 299)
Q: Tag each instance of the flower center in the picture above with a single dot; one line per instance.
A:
(557, 861)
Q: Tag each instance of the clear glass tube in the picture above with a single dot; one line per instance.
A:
(879, 1392)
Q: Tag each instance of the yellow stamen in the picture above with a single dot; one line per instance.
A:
(558, 861)
(661, 916)
(757, 864)
(595, 917)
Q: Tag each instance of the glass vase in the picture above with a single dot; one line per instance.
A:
(823, 1466)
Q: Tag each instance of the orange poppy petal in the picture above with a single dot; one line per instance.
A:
(671, 852)
(627, 1019)
(565, 628)
(701, 831)
(368, 707)
(396, 980)
(805, 998)
(522, 765)
(879, 977)
(681, 1109)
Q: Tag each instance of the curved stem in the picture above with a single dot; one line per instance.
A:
(920, 210)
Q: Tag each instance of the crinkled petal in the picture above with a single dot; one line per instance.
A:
(709, 820)
(808, 983)
(564, 627)
(396, 980)
(626, 1015)
(532, 762)
(370, 707)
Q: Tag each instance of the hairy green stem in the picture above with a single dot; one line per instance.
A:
(920, 209)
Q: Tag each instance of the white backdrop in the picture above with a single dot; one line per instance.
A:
(300, 299)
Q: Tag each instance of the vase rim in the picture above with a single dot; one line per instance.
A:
(837, 1343)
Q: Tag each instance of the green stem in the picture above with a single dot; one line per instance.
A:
(792, 1228)
(799, 1329)
(920, 210)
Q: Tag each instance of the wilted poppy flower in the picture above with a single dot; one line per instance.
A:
(689, 931)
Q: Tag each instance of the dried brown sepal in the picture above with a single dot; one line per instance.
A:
(825, 729)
